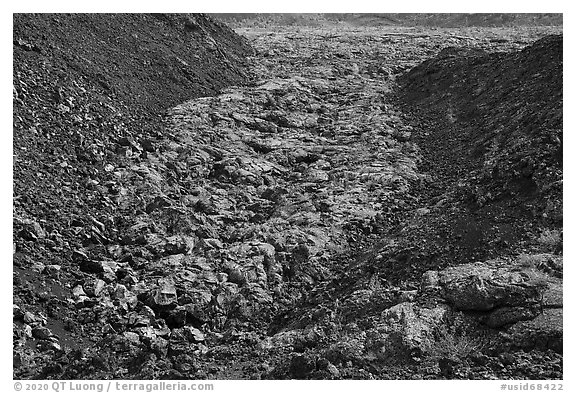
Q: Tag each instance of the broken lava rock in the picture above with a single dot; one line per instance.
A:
(482, 286)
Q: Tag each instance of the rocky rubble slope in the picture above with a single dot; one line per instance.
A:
(503, 112)
(83, 84)
(265, 233)
(494, 155)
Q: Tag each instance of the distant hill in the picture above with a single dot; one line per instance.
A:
(462, 20)
(378, 19)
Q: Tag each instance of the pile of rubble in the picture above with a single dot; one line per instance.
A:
(251, 235)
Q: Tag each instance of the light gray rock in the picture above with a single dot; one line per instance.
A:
(480, 286)
(132, 337)
(406, 330)
(31, 229)
(193, 334)
(165, 293)
(94, 287)
(430, 280)
(53, 270)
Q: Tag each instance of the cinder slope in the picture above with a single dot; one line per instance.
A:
(89, 92)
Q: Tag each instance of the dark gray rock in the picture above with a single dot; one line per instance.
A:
(506, 315)
(542, 333)
(302, 366)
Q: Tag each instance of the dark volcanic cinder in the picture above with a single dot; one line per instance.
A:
(502, 113)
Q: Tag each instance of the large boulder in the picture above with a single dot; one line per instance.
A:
(542, 333)
(484, 286)
(405, 331)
